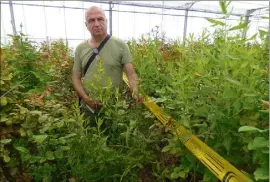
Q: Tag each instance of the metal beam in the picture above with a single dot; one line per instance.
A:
(127, 4)
(186, 19)
(159, 6)
(248, 13)
(12, 18)
(110, 16)
(124, 11)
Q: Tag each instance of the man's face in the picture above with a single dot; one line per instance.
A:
(96, 22)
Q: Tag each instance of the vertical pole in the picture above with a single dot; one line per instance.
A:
(65, 23)
(4, 31)
(248, 13)
(185, 25)
(244, 34)
(24, 20)
(110, 15)
(45, 21)
(12, 18)
(83, 20)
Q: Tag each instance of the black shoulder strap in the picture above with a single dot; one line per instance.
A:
(94, 54)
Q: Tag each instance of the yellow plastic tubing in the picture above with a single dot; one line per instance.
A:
(220, 167)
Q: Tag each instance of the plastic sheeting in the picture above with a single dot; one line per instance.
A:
(128, 22)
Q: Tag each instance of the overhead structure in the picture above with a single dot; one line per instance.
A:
(156, 10)
(187, 6)
(247, 15)
(12, 18)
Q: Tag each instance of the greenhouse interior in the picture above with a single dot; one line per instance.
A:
(134, 91)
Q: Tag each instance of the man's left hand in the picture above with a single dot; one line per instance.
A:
(138, 97)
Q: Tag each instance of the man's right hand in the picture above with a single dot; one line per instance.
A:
(96, 105)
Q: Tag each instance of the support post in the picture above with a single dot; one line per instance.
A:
(187, 7)
(110, 16)
(185, 25)
(244, 33)
(247, 15)
(12, 18)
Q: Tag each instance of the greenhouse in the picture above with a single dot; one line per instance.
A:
(134, 91)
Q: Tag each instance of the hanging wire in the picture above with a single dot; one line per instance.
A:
(24, 19)
(149, 27)
(14, 86)
(258, 20)
(65, 23)
(45, 21)
(134, 20)
(83, 20)
(161, 25)
(118, 21)
(4, 30)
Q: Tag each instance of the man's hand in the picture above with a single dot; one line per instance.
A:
(138, 97)
(133, 83)
(96, 105)
(265, 104)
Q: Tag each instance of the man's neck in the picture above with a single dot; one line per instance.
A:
(96, 40)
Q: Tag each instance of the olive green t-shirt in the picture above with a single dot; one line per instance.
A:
(113, 56)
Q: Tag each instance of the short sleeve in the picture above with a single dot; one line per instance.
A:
(77, 66)
(126, 55)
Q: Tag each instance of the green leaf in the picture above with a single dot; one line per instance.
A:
(49, 155)
(232, 81)
(261, 174)
(258, 142)
(262, 33)
(177, 169)
(3, 119)
(59, 154)
(223, 6)
(6, 78)
(121, 112)
(23, 150)
(166, 148)
(36, 112)
(240, 26)
(170, 89)
(35, 159)
(42, 160)
(5, 141)
(69, 135)
(182, 174)
(244, 64)
(42, 118)
(216, 22)
(227, 143)
(251, 128)
(3, 101)
(252, 37)
(100, 121)
(186, 169)
(6, 158)
(65, 148)
(39, 138)
(174, 175)
(265, 151)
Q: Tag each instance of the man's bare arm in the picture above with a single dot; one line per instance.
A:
(77, 85)
(132, 77)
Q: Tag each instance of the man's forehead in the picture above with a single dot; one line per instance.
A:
(94, 11)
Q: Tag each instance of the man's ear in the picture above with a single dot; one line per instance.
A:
(85, 24)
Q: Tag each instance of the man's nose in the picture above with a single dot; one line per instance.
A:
(96, 23)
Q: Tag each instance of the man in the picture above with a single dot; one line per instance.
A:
(115, 54)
